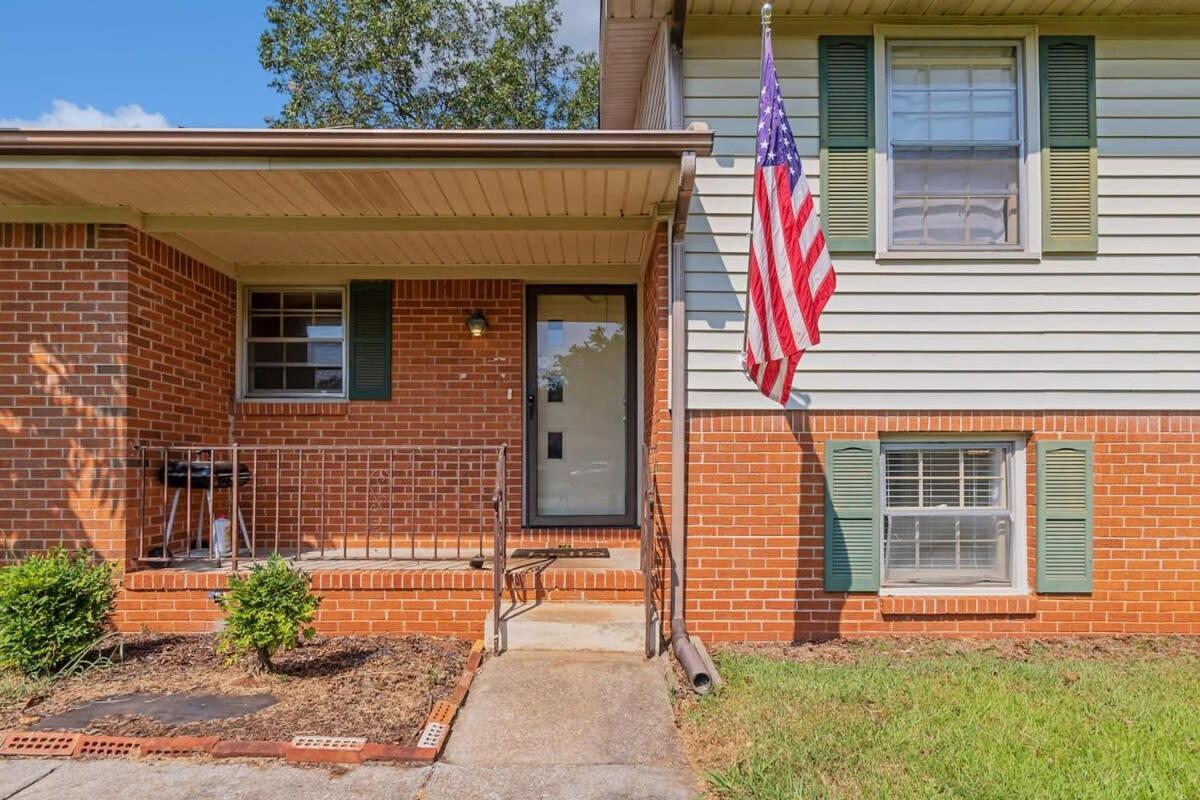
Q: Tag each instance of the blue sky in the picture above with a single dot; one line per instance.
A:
(127, 63)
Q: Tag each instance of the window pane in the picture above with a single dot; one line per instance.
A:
(952, 77)
(326, 327)
(266, 352)
(297, 300)
(325, 353)
(908, 221)
(266, 378)
(329, 380)
(989, 220)
(332, 300)
(947, 550)
(945, 221)
(296, 327)
(301, 378)
(264, 300)
(264, 326)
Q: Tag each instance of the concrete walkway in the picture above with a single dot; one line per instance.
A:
(571, 725)
(536, 726)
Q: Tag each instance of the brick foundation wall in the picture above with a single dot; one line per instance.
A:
(439, 603)
(756, 529)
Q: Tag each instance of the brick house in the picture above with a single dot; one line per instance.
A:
(425, 348)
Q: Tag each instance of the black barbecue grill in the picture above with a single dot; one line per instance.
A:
(207, 476)
(177, 474)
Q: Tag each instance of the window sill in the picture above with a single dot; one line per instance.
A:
(993, 604)
(1001, 256)
(263, 407)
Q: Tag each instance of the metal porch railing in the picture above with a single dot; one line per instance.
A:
(412, 502)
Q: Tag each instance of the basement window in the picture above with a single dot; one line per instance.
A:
(948, 518)
(295, 342)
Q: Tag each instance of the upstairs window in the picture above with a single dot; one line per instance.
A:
(955, 140)
(295, 342)
(948, 515)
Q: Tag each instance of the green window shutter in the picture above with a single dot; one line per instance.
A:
(1068, 109)
(852, 516)
(370, 340)
(847, 89)
(1064, 517)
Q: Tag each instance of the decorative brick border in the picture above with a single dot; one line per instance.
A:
(300, 750)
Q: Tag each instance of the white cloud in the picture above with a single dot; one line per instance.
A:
(65, 114)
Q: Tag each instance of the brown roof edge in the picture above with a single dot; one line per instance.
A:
(346, 143)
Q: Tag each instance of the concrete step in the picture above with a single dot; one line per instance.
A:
(606, 627)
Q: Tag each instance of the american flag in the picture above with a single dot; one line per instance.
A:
(791, 275)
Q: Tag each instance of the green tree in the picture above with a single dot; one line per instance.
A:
(426, 64)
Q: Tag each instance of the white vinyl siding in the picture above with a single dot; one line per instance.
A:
(1120, 330)
(652, 100)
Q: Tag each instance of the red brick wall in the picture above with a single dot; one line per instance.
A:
(182, 325)
(755, 488)
(656, 303)
(63, 313)
(110, 337)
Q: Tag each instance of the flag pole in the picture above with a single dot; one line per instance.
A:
(765, 15)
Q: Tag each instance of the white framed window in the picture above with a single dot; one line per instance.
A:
(294, 342)
(936, 57)
(952, 516)
(955, 145)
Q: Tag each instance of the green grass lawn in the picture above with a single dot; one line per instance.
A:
(918, 719)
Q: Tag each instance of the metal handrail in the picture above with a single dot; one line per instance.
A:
(648, 553)
(499, 545)
(316, 500)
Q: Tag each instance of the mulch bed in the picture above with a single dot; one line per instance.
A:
(380, 688)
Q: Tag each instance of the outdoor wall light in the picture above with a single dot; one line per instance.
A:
(477, 323)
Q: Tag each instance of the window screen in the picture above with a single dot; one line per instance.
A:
(947, 515)
(295, 342)
(955, 142)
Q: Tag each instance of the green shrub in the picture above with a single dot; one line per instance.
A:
(267, 611)
(53, 608)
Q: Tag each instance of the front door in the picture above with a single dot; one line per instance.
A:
(580, 405)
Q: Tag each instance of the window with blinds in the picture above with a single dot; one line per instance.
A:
(955, 136)
(947, 514)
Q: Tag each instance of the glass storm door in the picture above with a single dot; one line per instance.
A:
(580, 405)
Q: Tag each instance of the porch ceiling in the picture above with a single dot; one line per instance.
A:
(561, 200)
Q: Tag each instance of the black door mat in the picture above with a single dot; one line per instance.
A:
(560, 552)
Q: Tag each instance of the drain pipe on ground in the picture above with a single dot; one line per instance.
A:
(681, 644)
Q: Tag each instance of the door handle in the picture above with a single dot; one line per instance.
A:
(531, 405)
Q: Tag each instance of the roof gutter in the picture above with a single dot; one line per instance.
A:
(335, 143)
(681, 643)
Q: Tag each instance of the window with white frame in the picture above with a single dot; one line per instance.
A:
(948, 514)
(956, 145)
(295, 342)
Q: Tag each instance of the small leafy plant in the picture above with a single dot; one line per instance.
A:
(53, 609)
(267, 611)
